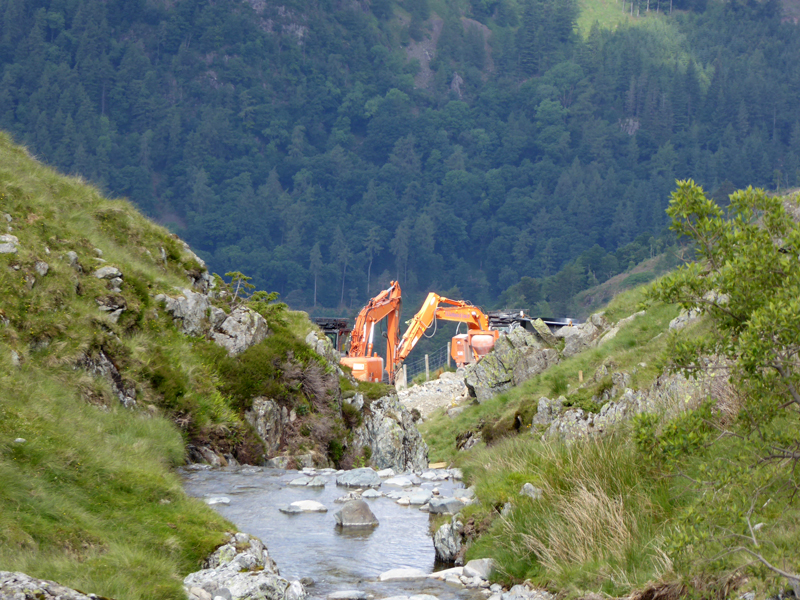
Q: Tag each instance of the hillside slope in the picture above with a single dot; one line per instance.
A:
(122, 357)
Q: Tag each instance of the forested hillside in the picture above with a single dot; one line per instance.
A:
(326, 147)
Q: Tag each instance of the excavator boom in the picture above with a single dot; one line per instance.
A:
(360, 358)
(465, 348)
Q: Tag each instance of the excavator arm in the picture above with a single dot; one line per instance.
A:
(385, 305)
(439, 307)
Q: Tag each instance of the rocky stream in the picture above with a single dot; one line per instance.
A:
(302, 518)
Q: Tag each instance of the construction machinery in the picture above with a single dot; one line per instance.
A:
(366, 365)
(465, 348)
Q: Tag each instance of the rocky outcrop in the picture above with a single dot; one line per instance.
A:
(240, 330)
(447, 541)
(241, 570)
(19, 586)
(194, 314)
(584, 336)
(388, 429)
(320, 343)
(269, 420)
(516, 357)
(100, 365)
(668, 395)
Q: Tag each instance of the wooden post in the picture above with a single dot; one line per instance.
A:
(580, 376)
(448, 355)
(427, 369)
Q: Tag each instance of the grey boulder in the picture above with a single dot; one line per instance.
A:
(24, 587)
(364, 477)
(355, 513)
(445, 506)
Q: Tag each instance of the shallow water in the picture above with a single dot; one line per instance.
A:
(310, 545)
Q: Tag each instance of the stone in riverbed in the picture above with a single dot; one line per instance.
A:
(444, 506)
(482, 567)
(362, 478)
(317, 481)
(300, 481)
(444, 573)
(370, 493)
(447, 541)
(402, 575)
(218, 500)
(399, 481)
(348, 595)
(421, 497)
(355, 513)
(302, 506)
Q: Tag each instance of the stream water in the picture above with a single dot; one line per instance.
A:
(310, 545)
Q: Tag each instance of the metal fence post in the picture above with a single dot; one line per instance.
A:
(427, 369)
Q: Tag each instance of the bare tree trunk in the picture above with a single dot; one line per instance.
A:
(344, 272)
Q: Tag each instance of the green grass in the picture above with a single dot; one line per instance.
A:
(597, 526)
(89, 500)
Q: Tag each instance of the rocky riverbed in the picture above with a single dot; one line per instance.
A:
(295, 513)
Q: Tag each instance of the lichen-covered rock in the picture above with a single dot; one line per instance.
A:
(242, 329)
(100, 365)
(684, 319)
(189, 311)
(8, 244)
(516, 357)
(322, 345)
(543, 331)
(108, 272)
(194, 314)
(269, 420)
(578, 338)
(447, 541)
(19, 586)
(547, 410)
(669, 395)
(389, 430)
(41, 268)
(243, 568)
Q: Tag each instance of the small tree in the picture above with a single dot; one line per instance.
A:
(746, 279)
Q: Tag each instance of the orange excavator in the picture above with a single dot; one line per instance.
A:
(367, 366)
(465, 348)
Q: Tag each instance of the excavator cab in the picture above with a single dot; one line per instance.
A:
(365, 368)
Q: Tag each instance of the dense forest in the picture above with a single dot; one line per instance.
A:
(483, 149)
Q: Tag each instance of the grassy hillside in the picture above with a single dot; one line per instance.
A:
(697, 495)
(87, 493)
(88, 498)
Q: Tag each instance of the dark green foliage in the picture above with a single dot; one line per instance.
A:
(374, 391)
(583, 399)
(257, 144)
(261, 369)
(351, 416)
(335, 451)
